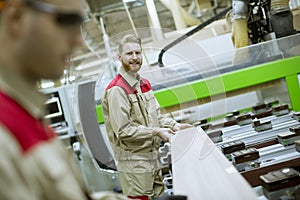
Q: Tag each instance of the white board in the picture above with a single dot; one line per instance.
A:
(201, 171)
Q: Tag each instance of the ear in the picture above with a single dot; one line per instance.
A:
(120, 57)
(14, 17)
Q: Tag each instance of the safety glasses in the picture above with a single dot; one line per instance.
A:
(62, 18)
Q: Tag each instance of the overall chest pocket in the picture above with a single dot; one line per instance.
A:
(135, 112)
(150, 102)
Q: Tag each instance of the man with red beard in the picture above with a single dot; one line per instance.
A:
(135, 126)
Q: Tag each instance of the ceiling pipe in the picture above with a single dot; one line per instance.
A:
(107, 47)
(153, 19)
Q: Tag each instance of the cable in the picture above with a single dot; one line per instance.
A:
(191, 32)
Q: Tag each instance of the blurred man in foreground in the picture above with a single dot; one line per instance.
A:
(36, 39)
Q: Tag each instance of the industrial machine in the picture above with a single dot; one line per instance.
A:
(200, 83)
(59, 108)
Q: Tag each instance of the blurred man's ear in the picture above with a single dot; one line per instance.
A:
(119, 57)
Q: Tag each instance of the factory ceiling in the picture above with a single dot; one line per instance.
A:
(108, 20)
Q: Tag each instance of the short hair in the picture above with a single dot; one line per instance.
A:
(130, 38)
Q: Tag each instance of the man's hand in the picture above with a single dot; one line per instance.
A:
(164, 133)
(179, 126)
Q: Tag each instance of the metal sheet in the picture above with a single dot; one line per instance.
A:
(201, 171)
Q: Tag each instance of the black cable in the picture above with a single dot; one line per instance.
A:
(191, 32)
